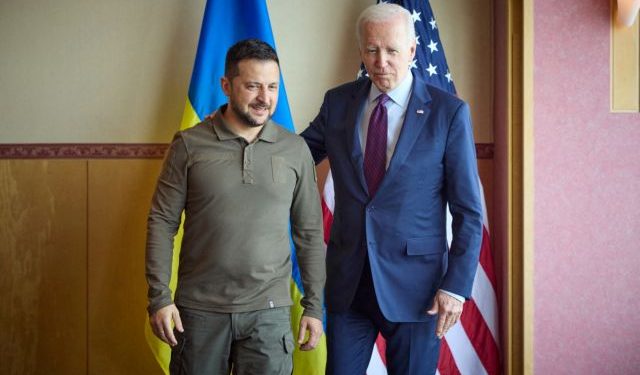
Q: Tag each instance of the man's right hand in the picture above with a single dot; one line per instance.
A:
(161, 323)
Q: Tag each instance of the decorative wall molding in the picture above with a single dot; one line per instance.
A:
(119, 150)
(83, 151)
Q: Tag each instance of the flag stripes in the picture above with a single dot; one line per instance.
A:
(486, 260)
(446, 362)
(480, 336)
(484, 298)
(463, 352)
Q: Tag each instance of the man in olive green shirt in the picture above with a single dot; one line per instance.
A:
(242, 182)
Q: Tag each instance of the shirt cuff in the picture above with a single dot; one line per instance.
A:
(456, 296)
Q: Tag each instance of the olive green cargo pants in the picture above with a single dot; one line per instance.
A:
(250, 343)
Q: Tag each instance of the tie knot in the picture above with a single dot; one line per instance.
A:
(383, 99)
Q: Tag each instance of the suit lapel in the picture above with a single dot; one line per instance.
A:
(414, 122)
(359, 94)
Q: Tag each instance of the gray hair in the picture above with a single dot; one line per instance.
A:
(384, 12)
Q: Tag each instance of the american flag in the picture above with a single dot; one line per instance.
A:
(471, 346)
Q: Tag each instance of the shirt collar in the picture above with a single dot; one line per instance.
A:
(400, 95)
(269, 133)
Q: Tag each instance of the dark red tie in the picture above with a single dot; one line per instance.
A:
(375, 154)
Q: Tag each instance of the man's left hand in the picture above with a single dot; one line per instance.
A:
(314, 326)
(448, 309)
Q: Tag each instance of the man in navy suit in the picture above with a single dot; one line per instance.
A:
(400, 151)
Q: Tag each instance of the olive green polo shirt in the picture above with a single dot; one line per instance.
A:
(239, 199)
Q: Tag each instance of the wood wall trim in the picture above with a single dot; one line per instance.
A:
(625, 65)
(520, 189)
(528, 184)
(120, 150)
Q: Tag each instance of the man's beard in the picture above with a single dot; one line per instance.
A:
(246, 116)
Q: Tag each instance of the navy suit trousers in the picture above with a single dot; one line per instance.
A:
(412, 348)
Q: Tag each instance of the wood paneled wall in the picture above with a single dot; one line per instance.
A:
(72, 272)
(43, 271)
(118, 198)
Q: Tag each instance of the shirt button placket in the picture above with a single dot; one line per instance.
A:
(247, 165)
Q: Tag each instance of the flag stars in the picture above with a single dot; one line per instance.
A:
(360, 73)
(416, 16)
(448, 75)
(413, 64)
(433, 46)
(418, 40)
(432, 70)
(433, 24)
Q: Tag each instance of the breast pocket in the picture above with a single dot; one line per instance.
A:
(279, 169)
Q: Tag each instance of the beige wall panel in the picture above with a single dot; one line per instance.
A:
(119, 196)
(43, 269)
(317, 49)
(466, 30)
(118, 71)
(95, 71)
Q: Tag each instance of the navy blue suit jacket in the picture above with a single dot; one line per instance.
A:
(403, 226)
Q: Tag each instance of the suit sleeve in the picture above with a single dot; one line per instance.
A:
(463, 195)
(315, 134)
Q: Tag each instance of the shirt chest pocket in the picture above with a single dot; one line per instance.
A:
(280, 170)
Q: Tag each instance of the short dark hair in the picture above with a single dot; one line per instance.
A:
(245, 50)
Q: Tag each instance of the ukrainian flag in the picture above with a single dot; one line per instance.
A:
(226, 22)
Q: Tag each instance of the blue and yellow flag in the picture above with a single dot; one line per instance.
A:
(226, 22)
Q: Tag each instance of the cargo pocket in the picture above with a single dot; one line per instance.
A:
(287, 343)
(286, 366)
